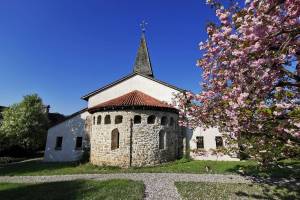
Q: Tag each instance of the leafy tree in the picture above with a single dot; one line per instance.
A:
(251, 78)
(25, 124)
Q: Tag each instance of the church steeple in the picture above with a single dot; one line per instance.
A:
(142, 63)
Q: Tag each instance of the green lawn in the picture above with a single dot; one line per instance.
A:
(194, 191)
(288, 169)
(113, 189)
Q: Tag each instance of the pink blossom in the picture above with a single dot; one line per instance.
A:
(245, 65)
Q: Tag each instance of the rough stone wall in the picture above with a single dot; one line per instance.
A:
(145, 139)
(88, 130)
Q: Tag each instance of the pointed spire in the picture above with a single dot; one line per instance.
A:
(142, 62)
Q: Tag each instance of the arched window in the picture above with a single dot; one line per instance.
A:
(162, 139)
(137, 119)
(107, 119)
(115, 139)
(99, 119)
(151, 119)
(171, 121)
(87, 122)
(118, 119)
(164, 120)
(94, 120)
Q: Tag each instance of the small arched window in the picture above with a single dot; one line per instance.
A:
(115, 139)
(94, 120)
(107, 119)
(118, 119)
(151, 119)
(162, 139)
(87, 121)
(99, 119)
(164, 120)
(171, 121)
(137, 119)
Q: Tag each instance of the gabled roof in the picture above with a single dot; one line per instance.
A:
(133, 100)
(70, 116)
(142, 63)
(87, 96)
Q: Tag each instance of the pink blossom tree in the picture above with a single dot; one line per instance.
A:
(251, 78)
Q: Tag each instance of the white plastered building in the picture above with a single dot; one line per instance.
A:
(66, 140)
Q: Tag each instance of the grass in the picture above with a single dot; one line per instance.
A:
(113, 189)
(288, 169)
(6, 160)
(194, 191)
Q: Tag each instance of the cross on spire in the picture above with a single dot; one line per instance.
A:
(143, 26)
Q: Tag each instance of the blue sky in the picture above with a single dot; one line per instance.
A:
(64, 49)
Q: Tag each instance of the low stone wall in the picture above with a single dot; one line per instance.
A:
(140, 150)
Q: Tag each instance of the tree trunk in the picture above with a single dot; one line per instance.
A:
(298, 68)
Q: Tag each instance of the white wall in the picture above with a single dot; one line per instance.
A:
(209, 143)
(137, 82)
(69, 130)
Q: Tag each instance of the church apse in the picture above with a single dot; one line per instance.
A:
(133, 136)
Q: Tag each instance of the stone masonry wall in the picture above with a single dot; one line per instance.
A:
(145, 139)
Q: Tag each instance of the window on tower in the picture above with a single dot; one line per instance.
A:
(99, 119)
(162, 139)
(151, 119)
(118, 119)
(171, 121)
(164, 120)
(137, 119)
(107, 119)
(115, 139)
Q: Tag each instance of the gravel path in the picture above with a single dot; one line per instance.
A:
(158, 185)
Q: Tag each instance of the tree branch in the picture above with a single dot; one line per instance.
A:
(289, 73)
(286, 83)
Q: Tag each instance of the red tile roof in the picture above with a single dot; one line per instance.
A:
(132, 99)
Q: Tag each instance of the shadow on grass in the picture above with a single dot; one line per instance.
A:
(32, 167)
(43, 168)
(113, 189)
(282, 182)
(59, 190)
(287, 169)
(285, 190)
(206, 190)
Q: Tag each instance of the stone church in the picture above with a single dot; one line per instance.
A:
(130, 122)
